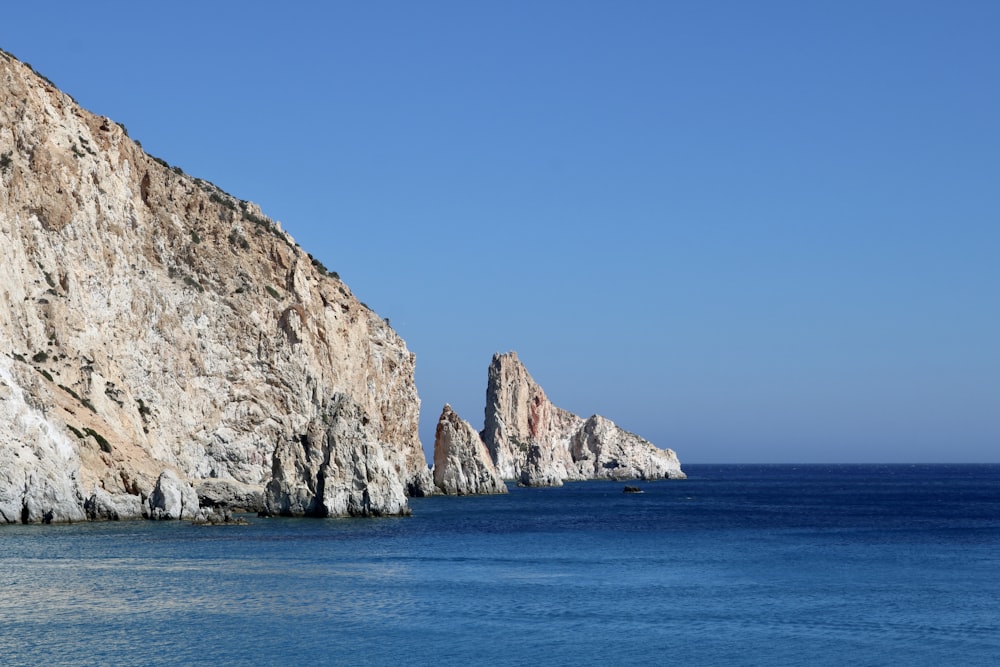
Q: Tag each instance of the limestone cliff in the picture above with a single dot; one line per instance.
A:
(330, 470)
(462, 464)
(539, 444)
(149, 321)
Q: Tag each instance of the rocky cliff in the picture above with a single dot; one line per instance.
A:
(336, 468)
(149, 321)
(539, 444)
(462, 464)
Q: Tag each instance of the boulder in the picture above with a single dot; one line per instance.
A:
(541, 468)
(105, 506)
(462, 464)
(172, 498)
(228, 494)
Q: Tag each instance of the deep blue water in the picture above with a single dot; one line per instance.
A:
(738, 565)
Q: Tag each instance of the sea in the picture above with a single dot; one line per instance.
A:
(737, 565)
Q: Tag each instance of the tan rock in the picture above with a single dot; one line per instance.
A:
(519, 414)
(462, 464)
(539, 444)
(149, 320)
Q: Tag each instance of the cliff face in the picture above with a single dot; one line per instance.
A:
(338, 468)
(462, 464)
(539, 444)
(150, 321)
(518, 414)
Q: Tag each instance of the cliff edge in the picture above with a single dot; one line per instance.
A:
(151, 322)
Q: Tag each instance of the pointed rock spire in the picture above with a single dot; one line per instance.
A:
(462, 464)
(538, 444)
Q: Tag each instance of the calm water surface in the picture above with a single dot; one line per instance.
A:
(738, 565)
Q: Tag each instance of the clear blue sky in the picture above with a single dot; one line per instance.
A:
(749, 231)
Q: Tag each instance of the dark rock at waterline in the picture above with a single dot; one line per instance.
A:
(230, 494)
(219, 518)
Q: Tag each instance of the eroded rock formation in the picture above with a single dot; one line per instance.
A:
(339, 467)
(539, 444)
(150, 321)
(172, 498)
(462, 464)
(544, 466)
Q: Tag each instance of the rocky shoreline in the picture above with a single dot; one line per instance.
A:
(167, 351)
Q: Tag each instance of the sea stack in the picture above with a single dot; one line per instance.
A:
(151, 322)
(462, 464)
(538, 444)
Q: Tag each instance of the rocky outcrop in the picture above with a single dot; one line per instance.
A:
(172, 498)
(462, 464)
(602, 450)
(39, 468)
(518, 414)
(539, 444)
(223, 494)
(339, 467)
(543, 466)
(103, 506)
(150, 321)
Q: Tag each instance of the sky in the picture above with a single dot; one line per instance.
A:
(747, 231)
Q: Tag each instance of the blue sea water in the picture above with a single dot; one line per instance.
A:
(738, 565)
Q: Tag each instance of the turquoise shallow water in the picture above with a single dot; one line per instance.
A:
(738, 565)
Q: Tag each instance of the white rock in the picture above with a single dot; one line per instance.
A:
(602, 450)
(462, 464)
(166, 322)
(172, 498)
(541, 467)
(519, 414)
(102, 505)
(338, 469)
(39, 469)
(539, 444)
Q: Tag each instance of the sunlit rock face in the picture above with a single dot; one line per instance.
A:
(602, 450)
(172, 498)
(150, 322)
(518, 415)
(339, 467)
(462, 464)
(539, 444)
(543, 467)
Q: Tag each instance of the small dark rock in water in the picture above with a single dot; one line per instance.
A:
(632, 489)
(217, 518)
